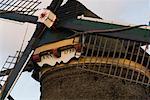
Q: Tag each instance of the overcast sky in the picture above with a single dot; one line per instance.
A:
(11, 34)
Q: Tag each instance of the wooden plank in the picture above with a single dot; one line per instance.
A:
(55, 45)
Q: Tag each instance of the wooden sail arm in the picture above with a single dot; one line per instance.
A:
(19, 17)
(7, 71)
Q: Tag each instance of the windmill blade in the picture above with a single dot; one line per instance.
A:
(5, 72)
(16, 72)
(19, 10)
(55, 5)
(9, 97)
(72, 9)
(19, 67)
(21, 64)
(28, 7)
(19, 17)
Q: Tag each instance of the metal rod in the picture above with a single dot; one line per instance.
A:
(82, 37)
(126, 51)
(116, 45)
(108, 54)
(98, 51)
(132, 52)
(93, 49)
(141, 63)
(87, 49)
(119, 57)
(146, 68)
(136, 61)
(103, 53)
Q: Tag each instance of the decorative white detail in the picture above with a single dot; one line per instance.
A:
(48, 59)
(66, 55)
(78, 54)
(47, 17)
(146, 48)
(109, 21)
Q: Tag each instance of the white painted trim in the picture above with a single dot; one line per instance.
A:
(109, 21)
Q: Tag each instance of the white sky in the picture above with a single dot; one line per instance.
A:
(11, 34)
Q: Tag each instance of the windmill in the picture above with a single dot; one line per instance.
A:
(72, 40)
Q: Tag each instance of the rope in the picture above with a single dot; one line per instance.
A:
(24, 37)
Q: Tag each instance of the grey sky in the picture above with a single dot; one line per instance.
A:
(11, 34)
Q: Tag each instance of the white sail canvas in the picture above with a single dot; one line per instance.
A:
(146, 48)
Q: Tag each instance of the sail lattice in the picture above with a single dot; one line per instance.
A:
(19, 6)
